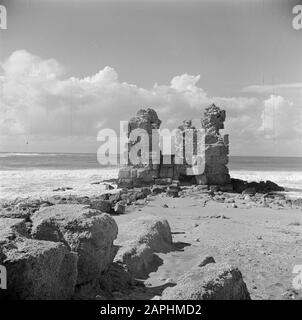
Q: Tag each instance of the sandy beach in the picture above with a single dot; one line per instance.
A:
(259, 234)
(264, 243)
(254, 229)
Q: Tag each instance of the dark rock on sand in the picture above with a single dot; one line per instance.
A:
(258, 187)
(157, 190)
(102, 205)
(173, 191)
(206, 260)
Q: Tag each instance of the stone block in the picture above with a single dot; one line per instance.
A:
(163, 181)
(124, 173)
(166, 172)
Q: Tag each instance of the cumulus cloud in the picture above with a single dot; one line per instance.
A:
(36, 99)
(184, 82)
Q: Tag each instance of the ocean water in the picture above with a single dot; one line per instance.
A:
(36, 175)
(285, 171)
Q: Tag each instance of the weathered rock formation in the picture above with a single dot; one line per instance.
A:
(142, 238)
(146, 120)
(146, 170)
(216, 147)
(214, 281)
(68, 250)
(208, 166)
(36, 270)
(85, 231)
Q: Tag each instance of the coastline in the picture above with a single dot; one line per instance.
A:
(260, 234)
(41, 183)
(257, 231)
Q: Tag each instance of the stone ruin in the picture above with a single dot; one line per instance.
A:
(216, 147)
(153, 167)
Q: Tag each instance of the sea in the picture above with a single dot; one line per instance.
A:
(37, 175)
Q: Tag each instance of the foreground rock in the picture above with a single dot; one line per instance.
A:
(85, 231)
(215, 281)
(148, 235)
(35, 269)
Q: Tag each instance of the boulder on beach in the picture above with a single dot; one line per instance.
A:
(102, 205)
(214, 281)
(86, 231)
(35, 269)
(11, 228)
(157, 189)
(144, 237)
(173, 191)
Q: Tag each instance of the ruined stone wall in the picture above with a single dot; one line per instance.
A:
(160, 172)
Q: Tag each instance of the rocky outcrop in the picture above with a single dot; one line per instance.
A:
(87, 232)
(211, 166)
(147, 120)
(142, 172)
(244, 187)
(144, 237)
(216, 147)
(214, 281)
(35, 269)
(208, 168)
(64, 252)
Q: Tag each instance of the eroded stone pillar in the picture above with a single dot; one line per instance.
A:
(216, 146)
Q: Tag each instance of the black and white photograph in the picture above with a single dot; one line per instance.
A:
(150, 150)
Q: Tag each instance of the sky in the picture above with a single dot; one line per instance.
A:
(69, 68)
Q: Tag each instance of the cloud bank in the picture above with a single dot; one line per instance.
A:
(37, 100)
